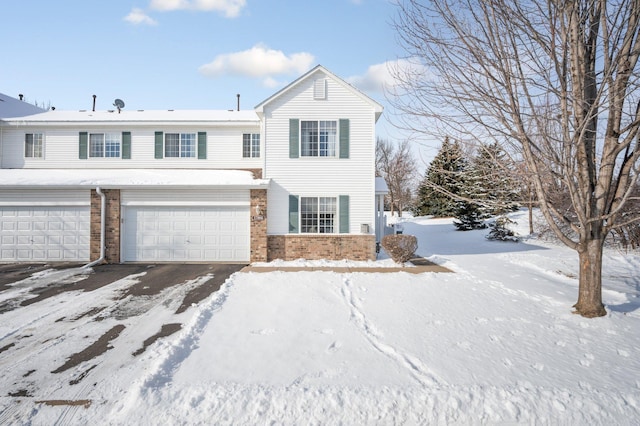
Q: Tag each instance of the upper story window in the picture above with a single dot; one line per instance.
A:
(318, 138)
(104, 145)
(33, 145)
(251, 145)
(181, 145)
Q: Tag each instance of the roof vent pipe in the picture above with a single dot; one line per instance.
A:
(21, 96)
(238, 96)
(94, 103)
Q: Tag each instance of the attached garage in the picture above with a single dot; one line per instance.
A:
(44, 226)
(185, 226)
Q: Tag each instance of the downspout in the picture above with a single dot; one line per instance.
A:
(103, 221)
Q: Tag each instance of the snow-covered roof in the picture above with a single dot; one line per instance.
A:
(12, 107)
(143, 116)
(127, 178)
(381, 186)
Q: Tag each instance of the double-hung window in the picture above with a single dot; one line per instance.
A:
(318, 215)
(318, 138)
(33, 145)
(180, 145)
(251, 145)
(104, 145)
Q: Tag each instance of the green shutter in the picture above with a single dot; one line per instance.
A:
(294, 138)
(293, 214)
(126, 145)
(344, 138)
(159, 144)
(344, 214)
(202, 145)
(82, 148)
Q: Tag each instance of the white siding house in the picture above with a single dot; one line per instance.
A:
(292, 178)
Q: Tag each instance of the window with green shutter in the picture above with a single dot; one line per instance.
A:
(159, 149)
(344, 138)
(126, 145)
(294, 138)
(344, 214)
(202, 145)
(293, 214)
(83, 143)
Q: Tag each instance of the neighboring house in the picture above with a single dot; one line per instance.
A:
(293, 178)
(12, 107)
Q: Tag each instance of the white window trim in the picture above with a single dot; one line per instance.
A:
(336, 215)
(24, 146)
(251, 146)
(104, 146)
(336, 149)
(180, 133)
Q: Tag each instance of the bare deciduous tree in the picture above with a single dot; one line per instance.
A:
(557, 78)
(397, 165)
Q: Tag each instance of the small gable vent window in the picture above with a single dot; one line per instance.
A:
(320, 89)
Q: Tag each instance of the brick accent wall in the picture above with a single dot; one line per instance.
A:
(312, 247)
(112, 229)
(258, 225)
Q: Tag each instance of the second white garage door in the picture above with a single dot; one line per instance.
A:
(186, 233)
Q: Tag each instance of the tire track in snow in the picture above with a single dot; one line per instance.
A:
(408, 361)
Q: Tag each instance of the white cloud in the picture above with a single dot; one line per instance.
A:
(138, 17)
(381, 77)
(229, 8)
(259, 62)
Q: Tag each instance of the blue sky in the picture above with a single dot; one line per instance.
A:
(190, 54)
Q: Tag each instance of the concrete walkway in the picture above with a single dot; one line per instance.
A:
(421, 265)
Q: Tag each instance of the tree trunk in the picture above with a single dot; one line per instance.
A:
(590, 281)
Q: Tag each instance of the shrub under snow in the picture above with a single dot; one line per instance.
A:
(400, 247)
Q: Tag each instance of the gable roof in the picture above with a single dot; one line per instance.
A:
(12, 107)
(376, 106)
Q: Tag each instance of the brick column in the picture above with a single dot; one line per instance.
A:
(258, 215)
(112, 225)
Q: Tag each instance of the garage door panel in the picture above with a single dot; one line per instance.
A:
(45, 233)
(181, 233)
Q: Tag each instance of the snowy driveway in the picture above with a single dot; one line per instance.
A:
(56, 324)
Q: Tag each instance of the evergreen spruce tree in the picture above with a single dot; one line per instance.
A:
(470, 210)
(492, 169)
(442, 182)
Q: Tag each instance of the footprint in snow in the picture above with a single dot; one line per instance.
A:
(623, 353)
(334, 346)
(586, 362)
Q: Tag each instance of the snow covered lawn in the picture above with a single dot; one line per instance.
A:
(494, 342)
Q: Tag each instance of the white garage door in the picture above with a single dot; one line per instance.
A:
(44, 233)
(186, 233)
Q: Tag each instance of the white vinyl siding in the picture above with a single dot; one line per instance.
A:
(320, 176)
(224, 148)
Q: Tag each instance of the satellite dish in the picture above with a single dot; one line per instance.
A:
(118, 103)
